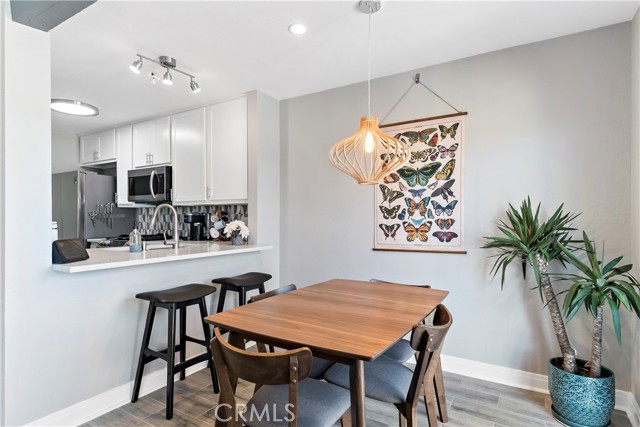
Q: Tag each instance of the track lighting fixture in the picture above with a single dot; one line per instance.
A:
(169, 65)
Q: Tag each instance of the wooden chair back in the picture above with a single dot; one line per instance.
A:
(403, 284)
(286, 367)
(273, 293)
(427, 340)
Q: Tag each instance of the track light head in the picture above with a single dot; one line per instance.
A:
(154, 78)
(167, 78)
(136, 66)
(195, 87)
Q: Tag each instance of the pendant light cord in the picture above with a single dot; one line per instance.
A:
(369, 68)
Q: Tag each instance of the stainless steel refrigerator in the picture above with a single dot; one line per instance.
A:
(84, 206)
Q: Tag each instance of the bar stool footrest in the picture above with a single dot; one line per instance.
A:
(195, 340)
(151, 355)
(190, 362)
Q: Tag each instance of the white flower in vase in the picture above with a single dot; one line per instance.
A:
(236, 228)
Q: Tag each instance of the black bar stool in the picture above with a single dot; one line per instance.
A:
(241, 284)
(175, 299)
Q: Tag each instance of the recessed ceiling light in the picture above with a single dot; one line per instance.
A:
(75, 108)
(297, 29)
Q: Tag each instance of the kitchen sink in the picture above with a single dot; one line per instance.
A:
(151, 246)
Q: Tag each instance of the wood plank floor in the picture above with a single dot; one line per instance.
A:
(471, 402)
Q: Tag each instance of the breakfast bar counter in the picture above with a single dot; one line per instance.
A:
(118, 257)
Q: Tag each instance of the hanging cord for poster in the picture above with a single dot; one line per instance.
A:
(416, 81)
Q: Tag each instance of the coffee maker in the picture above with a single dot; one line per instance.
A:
(197, 225)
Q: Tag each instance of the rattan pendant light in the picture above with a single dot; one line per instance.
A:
(369, 155)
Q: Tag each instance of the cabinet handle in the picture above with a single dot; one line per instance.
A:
(208, 191)
(95, 155)
(151, 154)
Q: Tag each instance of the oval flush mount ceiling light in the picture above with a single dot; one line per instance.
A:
(74, 108)
(297, 29)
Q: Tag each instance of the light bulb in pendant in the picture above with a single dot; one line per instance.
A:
(368, 143)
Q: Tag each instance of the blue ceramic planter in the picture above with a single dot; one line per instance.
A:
(581, 401)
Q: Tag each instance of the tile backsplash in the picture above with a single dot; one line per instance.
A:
(164, 222)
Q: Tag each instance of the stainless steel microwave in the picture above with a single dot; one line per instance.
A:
(150, 185)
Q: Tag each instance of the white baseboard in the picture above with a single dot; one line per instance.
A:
(625, 401)
(633, 411)
(494, 373)
(98, 405)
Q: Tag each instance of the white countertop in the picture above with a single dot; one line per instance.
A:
(102, 259)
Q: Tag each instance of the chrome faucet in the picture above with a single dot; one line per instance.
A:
(175, 242)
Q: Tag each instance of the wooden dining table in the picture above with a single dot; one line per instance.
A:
(347, 321)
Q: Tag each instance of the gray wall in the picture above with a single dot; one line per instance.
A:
(549, 120)
(635, 183)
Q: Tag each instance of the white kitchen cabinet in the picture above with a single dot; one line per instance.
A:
(151, 143)
(227, 151)
(123, 140)
(188, 139)
(209, 154)
(98, 147)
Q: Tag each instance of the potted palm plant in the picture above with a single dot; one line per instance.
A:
(583, 393)
(587, 397)
(527, 239)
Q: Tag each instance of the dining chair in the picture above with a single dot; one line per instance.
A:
(284, 394)
(318, 365)
(389, 381)
(273, 293)
(402, 351)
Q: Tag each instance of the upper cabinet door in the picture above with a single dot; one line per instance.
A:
(227, 151)
(160, 147)
(152, 142)
(107, 145)
(188, 137)
(98, 147)
(141, 141)
(89, 148)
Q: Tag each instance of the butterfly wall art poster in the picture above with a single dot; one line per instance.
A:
(419, 207)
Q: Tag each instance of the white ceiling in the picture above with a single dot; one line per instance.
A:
(237, 46)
